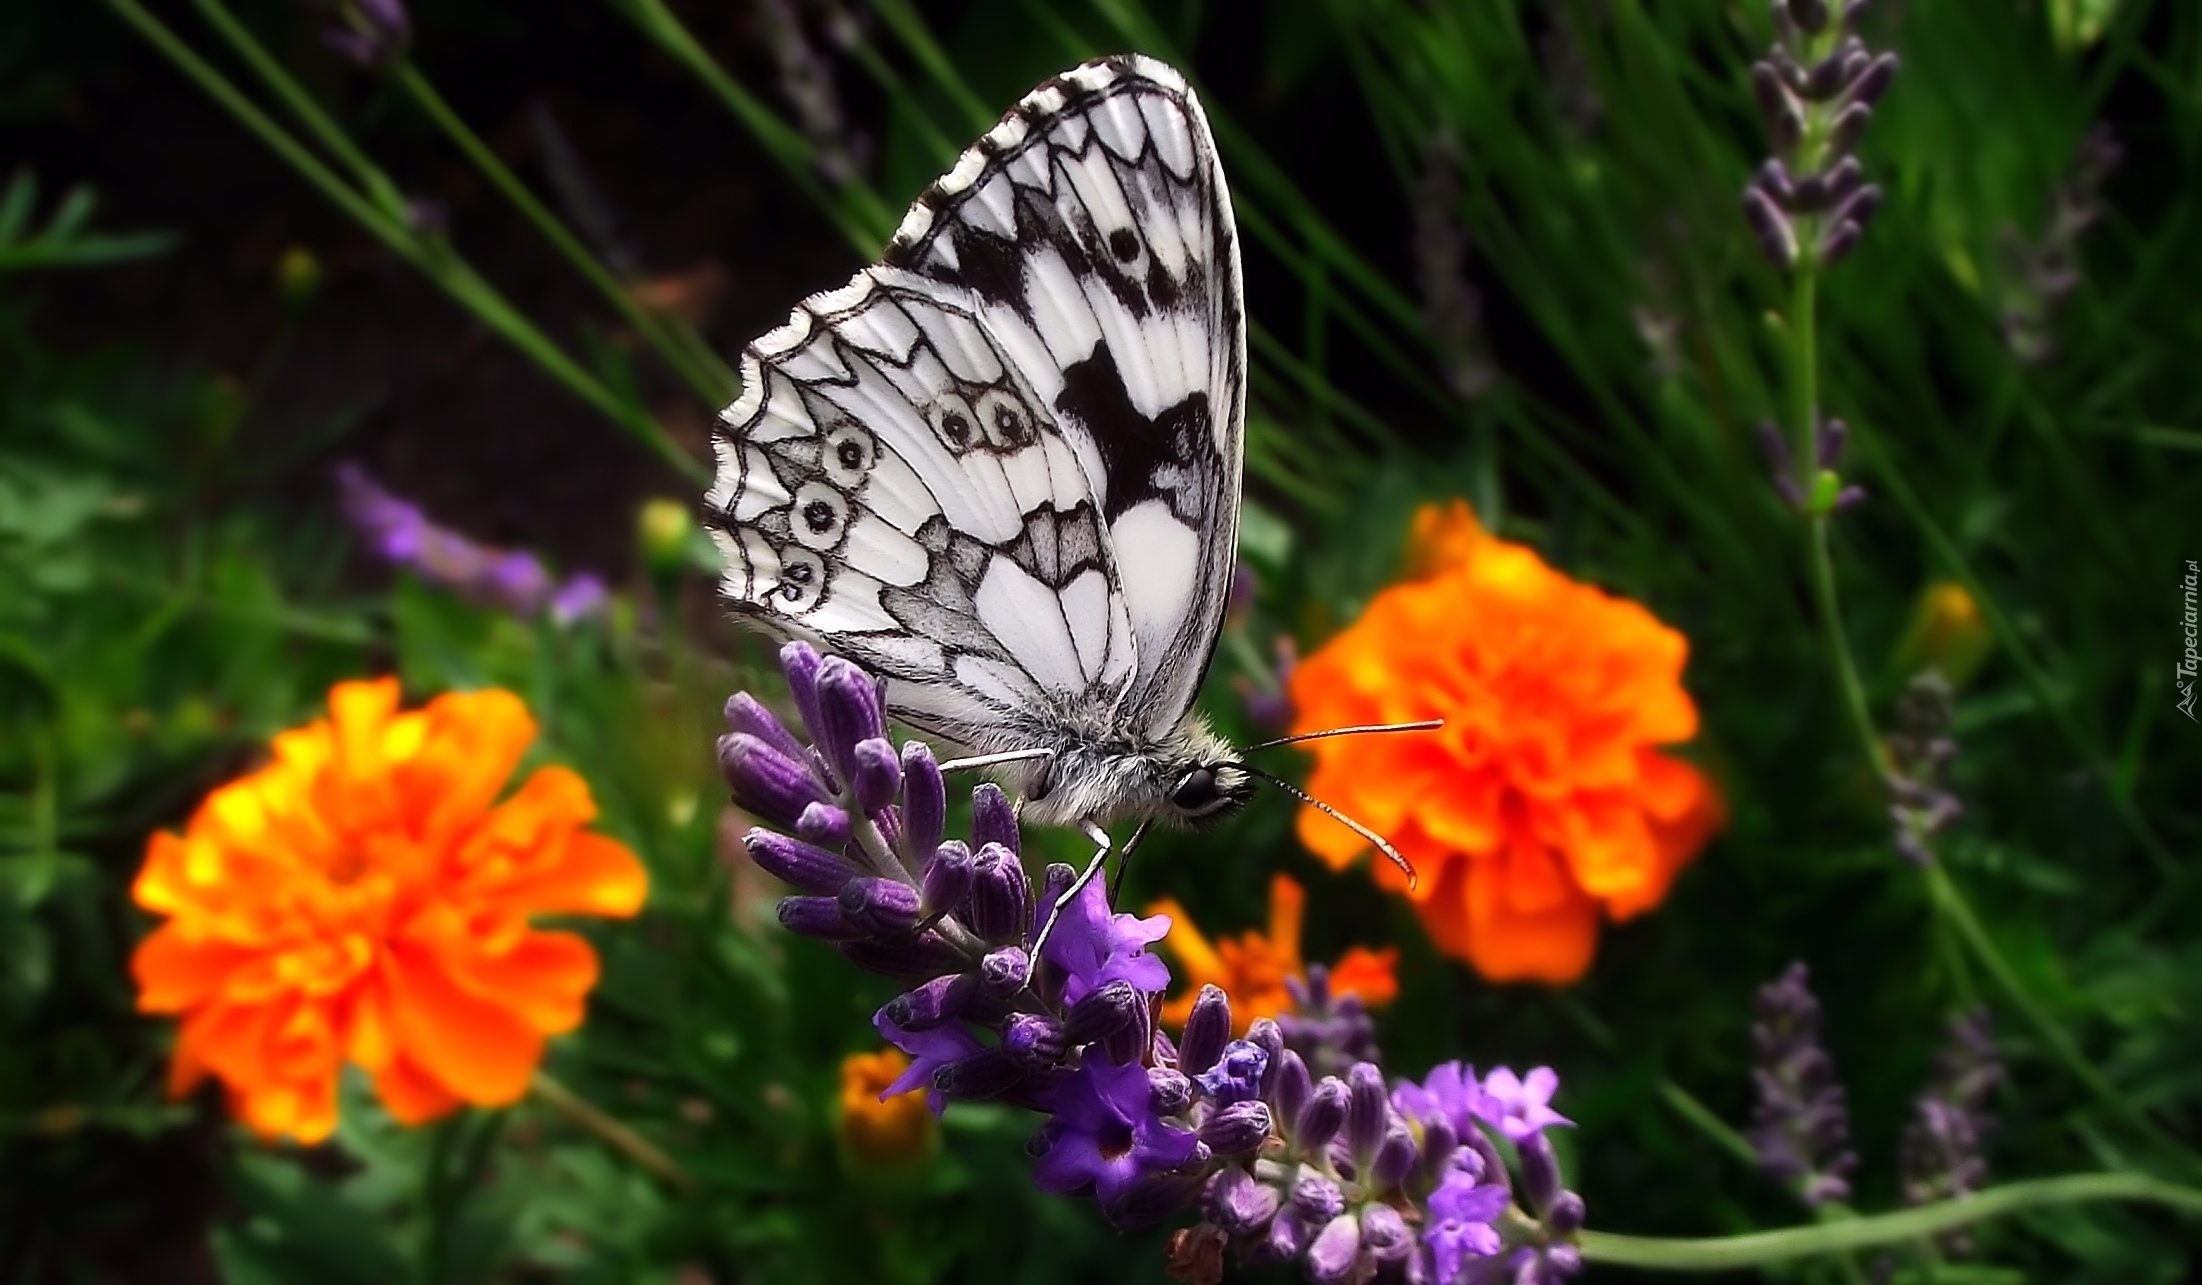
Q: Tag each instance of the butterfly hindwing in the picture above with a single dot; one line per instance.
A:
(943, 469)
(1094, 229)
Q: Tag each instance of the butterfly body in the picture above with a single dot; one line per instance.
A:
(1000, 468)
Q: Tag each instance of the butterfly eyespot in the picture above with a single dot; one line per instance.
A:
(952, 418)
(1124, 244)
(1007, 422)
(821, 515)
(802, 578)
(956, 426)
(848, 455)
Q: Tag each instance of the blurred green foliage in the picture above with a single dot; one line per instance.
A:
(169, 601)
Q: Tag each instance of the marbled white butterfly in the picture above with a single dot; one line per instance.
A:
(1001, 466)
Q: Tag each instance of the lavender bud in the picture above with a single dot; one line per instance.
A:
(1777, 239)
(1439, 1145)
(1859, 206)
(1129, 1042)
(1269, 1037)
(1000, 908)
(1238, 1129)
(1772, 178)
(948, 877)
(765, 781)
(875, 775)
(803, 865)
(1487, 1162)
(1207, 1029)
(1168, 1091)
(1826, 77)
(1384, 1233)
(819, 917)
(745, 713)
(1103, 1012)
(1331, 1257)
(1323, 1117)
(920, 958)
(1784, 116)
(1564, 1216)
(1290, 1093)
(1854, 11)
(1035, 1039)
(1810, 15)
(1868, 85)
(882, 907)
(801, 663)
(1368, 1113)
(987, 1073)
(1237, 1075)
(848, 704)
(825, 825)
(1318, 1199)
(1394, 1160)
(1287, 1238)
(1238, 1203)
(1818, 191)
(1839, 242)
(1540, 1172)
(1848, 127)
(924, 801)
(1004, 971)
(924, 1007)
(1834, 435)
(992, 819)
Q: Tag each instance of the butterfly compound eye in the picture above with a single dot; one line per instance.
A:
(1195, 791)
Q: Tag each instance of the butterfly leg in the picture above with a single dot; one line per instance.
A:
(1124, 860)
(1101, 841)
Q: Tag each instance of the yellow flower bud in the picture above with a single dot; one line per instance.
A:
(1946, 633)
(663, 526)
(297, 276)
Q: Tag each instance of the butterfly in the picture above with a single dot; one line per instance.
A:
(1001, 467)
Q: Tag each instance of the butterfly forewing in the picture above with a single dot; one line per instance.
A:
(1002, 466)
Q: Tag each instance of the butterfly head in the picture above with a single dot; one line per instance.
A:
(1206, 791)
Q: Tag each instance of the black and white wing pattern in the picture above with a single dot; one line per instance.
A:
(1001, 467)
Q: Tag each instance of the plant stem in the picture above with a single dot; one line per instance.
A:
(436, 260)
(610, 1131)
(713, 382)
(1758, 1249)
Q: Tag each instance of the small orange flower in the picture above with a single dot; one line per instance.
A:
(876, 1131)
(1252, 967)
(1544, 803)
(365, 898)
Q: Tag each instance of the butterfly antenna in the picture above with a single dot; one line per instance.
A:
(1391, 853)
(1425, 725)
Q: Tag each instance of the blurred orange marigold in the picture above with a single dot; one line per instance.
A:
(877, 1130)
(365, 897)
(1544, 803)
(1252, 967)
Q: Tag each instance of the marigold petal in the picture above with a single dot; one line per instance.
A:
(543, 979)
(470, 745)
(596, 875)
(1369, 974)
(476, 1049)
(411, 1095)
(175, 971)
(1287, 905)
(1552, 943)
(1608, 845)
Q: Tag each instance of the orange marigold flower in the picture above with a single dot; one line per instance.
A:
(876, 1131)
(365, 898)
(1544, 804)
(1252, 967)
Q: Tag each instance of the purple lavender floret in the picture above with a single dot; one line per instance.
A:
(1331, 1031)
(1940, 1156)
(1801, 1125)
(511, 580)
(1344, 1178)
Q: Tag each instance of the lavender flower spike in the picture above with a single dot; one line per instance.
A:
(1344, 1180)
(1940, 1154)
(1801, 1125)
(511, 580)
